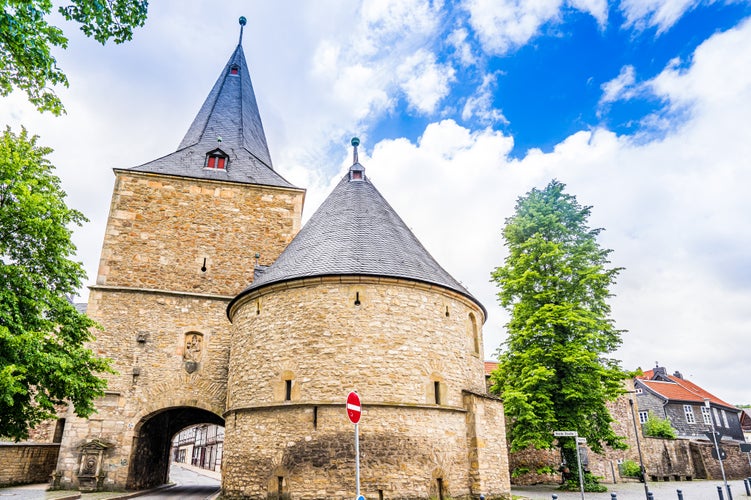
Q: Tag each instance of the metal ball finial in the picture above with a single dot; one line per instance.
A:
(355, 141)
(242, 20)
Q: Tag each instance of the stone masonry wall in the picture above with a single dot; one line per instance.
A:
(27, 463)
(175, 251)
(164, 321)
(392, 348)
(489, 472)
(309, 452)
(298, 348)
(161, 228)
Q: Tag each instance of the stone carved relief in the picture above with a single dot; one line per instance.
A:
(193, 351)
(90, 473)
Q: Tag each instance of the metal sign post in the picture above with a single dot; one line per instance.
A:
(354, 412)
(575, 435)
(716, 436)
(357, 458)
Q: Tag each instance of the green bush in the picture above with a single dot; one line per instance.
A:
(545, 470)
(591, 484)
(659, 427)
(629, 468)
(519, 471)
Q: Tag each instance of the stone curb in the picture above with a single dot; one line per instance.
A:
(136, 493)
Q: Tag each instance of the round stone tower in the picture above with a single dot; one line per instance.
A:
(355, 302)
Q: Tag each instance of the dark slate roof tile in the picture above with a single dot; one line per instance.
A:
(356, 232)
(230, 113)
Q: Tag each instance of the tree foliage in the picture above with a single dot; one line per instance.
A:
(43, 359)
(553, 371)
(659, 428)
(27, 39)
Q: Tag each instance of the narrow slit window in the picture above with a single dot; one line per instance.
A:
(439, 482)
(437, 391)
(279, 486)
(288, 390)
(315, 418)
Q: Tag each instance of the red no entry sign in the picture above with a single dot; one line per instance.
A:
(354, 409)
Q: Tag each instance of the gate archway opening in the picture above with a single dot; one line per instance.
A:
(152, 443)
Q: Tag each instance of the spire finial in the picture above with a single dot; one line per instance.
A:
(355, 142)
(242, 22)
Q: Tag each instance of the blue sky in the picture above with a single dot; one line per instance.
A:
(639, 106)
(551, 87)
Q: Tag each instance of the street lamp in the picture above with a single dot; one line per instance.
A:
(638, 447)
(717, 447)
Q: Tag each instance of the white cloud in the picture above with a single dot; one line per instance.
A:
(621, 87)
(596, 8)
(480, 104)
(661, 14)
(503, 25)
(462, 48)
(423, 81)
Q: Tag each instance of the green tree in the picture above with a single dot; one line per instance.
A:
(43, 359)
(27, 38)
(553, 372)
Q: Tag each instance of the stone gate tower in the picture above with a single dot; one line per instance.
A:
(183, 235)
(218, 308)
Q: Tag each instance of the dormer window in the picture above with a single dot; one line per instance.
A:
(216, 160)
(234, 69)
(356, 172)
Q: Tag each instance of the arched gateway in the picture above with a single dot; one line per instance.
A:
(217, 308)
(150, 458)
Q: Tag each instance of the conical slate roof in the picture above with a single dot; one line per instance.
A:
(356, 232)
(228, 123)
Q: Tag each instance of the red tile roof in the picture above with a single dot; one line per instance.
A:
(490, 366)
(679, 389)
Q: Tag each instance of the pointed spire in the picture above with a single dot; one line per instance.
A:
(229, 126)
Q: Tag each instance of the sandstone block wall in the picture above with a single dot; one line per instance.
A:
(488, 458)
(162, 322)
(392, 348)
(27, 463)
(162, 228)
(410, 350)
(307, 452)
(175, 251)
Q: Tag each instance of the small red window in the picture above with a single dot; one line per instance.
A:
(217, 162)
(234, 70)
